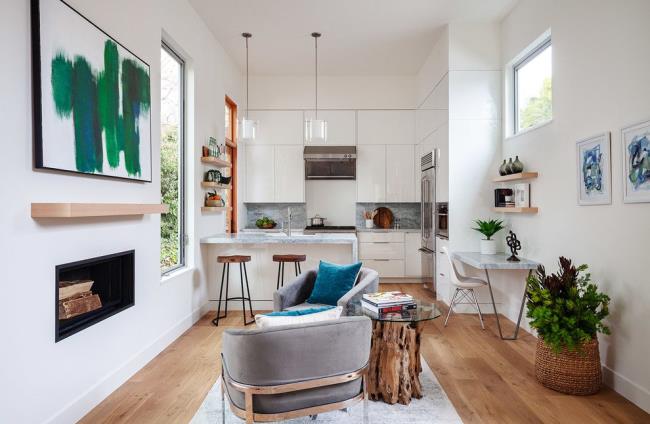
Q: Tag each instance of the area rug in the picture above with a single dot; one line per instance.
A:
(434, 407)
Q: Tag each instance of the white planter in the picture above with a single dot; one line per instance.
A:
(488, 247)
(369, 223)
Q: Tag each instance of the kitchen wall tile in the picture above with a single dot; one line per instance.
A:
(407, 213)
(278, 213)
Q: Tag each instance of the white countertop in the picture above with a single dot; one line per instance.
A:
(498, 261)
(388, 230)
(281, 238)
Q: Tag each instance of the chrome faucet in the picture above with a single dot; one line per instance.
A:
(289, 226)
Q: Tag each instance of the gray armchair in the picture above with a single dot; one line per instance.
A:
(284, 372)
(295, 294)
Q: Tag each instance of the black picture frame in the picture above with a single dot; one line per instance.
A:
(37, 104)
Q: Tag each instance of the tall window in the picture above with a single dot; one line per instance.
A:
(533, 78)
(172, 147)
(231, 153)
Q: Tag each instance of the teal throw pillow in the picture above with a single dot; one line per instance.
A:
(306, 311)
(332, 282)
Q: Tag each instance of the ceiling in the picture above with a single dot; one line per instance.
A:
(360, 37)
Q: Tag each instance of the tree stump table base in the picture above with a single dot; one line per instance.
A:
(395, 366)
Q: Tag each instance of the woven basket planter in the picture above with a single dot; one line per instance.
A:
(574, 373)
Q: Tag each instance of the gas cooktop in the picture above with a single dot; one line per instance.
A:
(330, 229)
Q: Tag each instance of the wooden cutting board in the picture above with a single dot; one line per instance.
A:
(383, 218)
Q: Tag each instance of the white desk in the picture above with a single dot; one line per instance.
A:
(499, 262)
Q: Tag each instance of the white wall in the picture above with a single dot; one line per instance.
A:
(44, 381)
(600, 83)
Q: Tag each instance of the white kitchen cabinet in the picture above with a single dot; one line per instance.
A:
(400, 164)
(381, 250)
(371, 173)
(289, 174)
(412, 255)
(443, 282)
(386, 268)
(441, 140)
(277, 127)
(386, 127)
(260, 173)
(341, 126)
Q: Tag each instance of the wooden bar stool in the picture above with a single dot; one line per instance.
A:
(226, 261)
(282, 259)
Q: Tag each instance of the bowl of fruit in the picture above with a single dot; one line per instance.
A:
(265, 223)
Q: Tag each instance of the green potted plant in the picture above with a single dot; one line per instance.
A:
(488, 229)
(567, 310)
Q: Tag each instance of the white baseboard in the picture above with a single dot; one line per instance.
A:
(77, 408)
(627, 388)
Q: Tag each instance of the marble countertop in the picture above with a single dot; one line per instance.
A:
(498, 261)
(388, 230)
(280, 238)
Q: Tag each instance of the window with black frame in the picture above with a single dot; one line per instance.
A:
(172, 147)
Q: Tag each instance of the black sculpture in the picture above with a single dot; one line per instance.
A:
(514, 246)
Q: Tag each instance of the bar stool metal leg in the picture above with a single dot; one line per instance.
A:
(250, 304)
(216, 320)
(282, 281)
(277, 285)
(243, 295)
(299, 270)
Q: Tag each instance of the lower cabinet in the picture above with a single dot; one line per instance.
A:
(412, 255)
(443, 282)
(391, 254)
(387, 268)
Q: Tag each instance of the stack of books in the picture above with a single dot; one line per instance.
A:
(387, 302)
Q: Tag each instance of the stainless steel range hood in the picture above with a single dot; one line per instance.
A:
(330, 162)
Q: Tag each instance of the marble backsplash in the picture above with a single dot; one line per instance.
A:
(407, 213)
(278, 213)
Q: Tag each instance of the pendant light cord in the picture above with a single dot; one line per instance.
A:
(316, 73)
(246, 77)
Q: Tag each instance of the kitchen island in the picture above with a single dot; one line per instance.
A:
(338, 248)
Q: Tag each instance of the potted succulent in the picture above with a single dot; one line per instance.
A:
(567, 310)
(488, 229)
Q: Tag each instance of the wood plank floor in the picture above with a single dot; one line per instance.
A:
(486, 379)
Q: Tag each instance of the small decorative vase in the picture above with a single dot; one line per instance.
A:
(488, 247)
(369, 223)
(509, 167)
(517, 166)
(502, 168)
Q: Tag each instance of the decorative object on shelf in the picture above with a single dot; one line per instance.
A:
(488, 229)
(315, 129)
(382, 217)
(567, 310)
(368, 217)
(91, 97)
(265, 223)
(509, 167)
(594, 170)
(224, 180)
(502, 169)
(213, 148)
(205, 151)
(212, 199)
(636, 163)
(213, 175)
(514, 245)
(522, 195)
(248, 127)
(517, 166)
(503, 198)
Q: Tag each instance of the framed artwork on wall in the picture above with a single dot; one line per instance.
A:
(522, 195)
(91, 97)
(636, 163)
(594, 170)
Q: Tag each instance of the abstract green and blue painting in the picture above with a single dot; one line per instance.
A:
(636, 165)
(594, 172)
(94, 111)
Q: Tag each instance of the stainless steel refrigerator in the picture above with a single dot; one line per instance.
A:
(428, 163)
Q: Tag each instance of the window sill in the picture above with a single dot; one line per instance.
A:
(527, 130)
(166, 278)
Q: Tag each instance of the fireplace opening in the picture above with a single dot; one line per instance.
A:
(92, 290)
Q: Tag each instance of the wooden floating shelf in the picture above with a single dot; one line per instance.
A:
(216, 209)
(83, 210)
(515, 177)
(210, 160)
(515, 210)
(209, 184)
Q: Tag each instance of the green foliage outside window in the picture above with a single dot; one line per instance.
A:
(169, 190)
(566, 308)
(539, 109)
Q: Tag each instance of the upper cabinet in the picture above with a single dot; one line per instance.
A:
(289, 174)
(400, 184)
(278, 126)
(341, 126)
(386, 127)
(371, 173)
(260, 174)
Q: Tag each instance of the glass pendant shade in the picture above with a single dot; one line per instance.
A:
(315, 131)
(248, 129)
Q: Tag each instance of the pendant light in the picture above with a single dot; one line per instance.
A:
(248, 126)
(316, 129)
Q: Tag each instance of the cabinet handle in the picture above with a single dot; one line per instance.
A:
(382, 260)
(381, 242)
(442, 275)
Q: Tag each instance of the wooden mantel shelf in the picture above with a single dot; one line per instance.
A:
(82, 210)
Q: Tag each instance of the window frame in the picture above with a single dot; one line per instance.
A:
(181, 159)
(533, 52)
